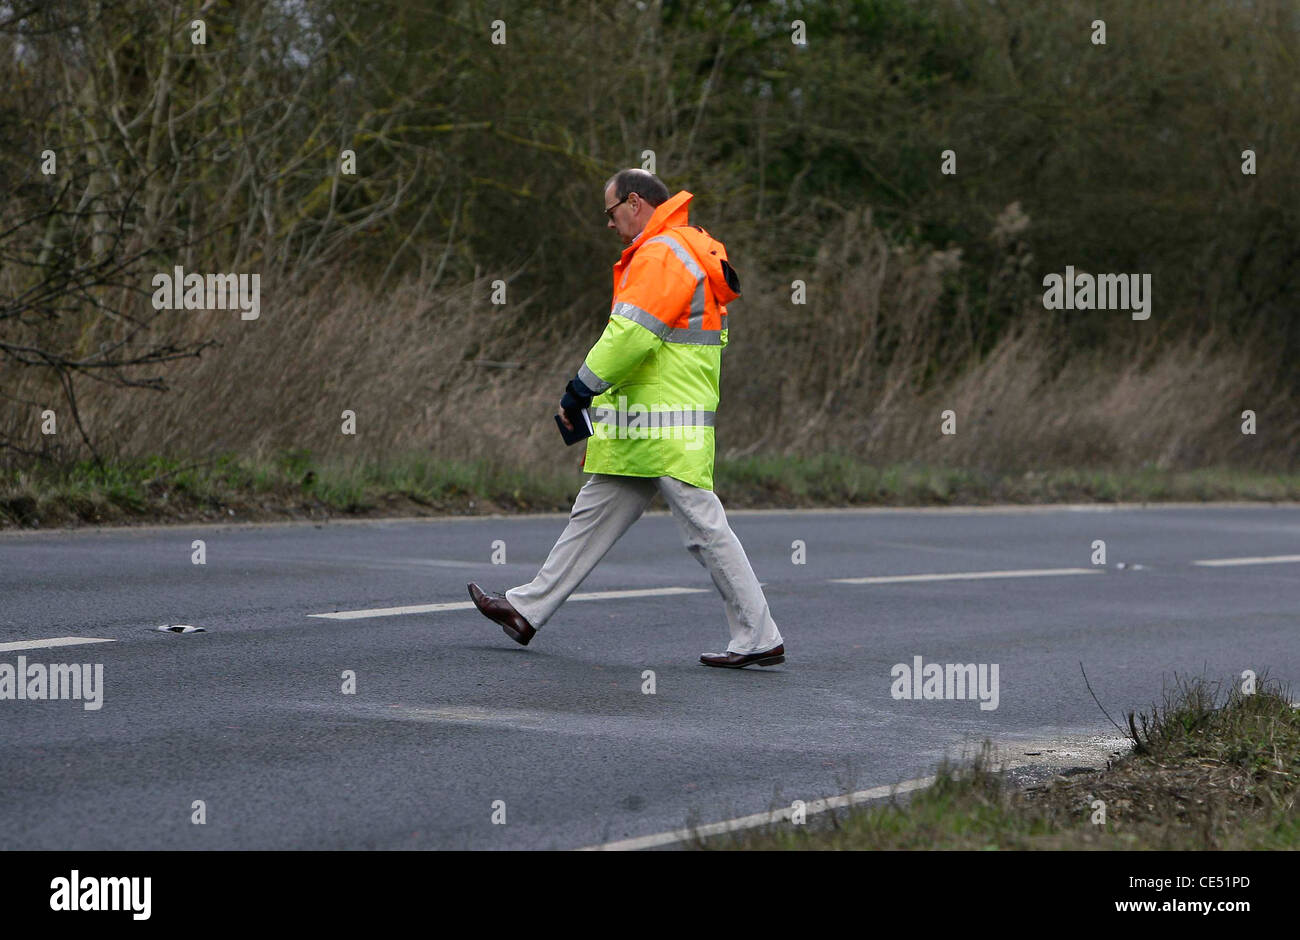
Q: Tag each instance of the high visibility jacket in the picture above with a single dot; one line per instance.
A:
(655, 367)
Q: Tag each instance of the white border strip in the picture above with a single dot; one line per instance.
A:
(967, 575)
(335, 521)
(757, 819)
(469, 605)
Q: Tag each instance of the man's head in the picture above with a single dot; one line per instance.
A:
(630, 199)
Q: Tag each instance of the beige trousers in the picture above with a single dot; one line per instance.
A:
(606, 507)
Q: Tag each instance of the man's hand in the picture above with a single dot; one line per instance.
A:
(582, 459)
(576, 397)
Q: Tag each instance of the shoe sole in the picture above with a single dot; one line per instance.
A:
(514, 634)
(768, 661)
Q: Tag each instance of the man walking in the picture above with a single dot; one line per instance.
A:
(651, 382)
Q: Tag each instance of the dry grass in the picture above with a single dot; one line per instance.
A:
(1212, 772)
(852, 372)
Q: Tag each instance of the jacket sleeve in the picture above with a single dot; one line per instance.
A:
(658, 289)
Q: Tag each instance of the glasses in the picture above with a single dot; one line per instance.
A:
(609, 213)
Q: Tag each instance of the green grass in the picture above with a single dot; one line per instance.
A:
(295, 484)
(1208, 771)
(831, 479)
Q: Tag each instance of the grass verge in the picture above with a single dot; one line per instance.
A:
(296, 485)
(1207, 771)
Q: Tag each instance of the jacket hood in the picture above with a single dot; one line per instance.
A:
(672, 218)
(712, 256)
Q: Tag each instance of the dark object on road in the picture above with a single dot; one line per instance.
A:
(180, 628)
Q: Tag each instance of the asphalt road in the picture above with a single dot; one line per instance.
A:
(449, 715)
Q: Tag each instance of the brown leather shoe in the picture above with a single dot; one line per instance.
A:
(740, 660)
(496, 607)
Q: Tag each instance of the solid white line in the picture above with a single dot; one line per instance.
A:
(469, 605)
(52, 641)
(757, 819)
(1000, 509)
(967, 575)
(1260, 560)
(379, 521)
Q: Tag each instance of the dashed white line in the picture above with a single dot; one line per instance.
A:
(50, 642)
(1257, 560)
(968, 575)
(757, 819)
(469, 605)
(393, 611)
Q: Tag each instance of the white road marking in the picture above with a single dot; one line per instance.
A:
(758, 819)
(967, 575)
(52, 641)
(469, 605)
(393, 611)
(442, 563)
(1258, 560)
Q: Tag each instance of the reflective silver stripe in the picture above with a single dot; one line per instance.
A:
(591, 379)
(655, 419)
(644, 317)
(695, 336)
(693, 267)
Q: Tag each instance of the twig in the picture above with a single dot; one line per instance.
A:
(1099, 705)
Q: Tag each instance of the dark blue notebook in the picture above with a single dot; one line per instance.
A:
(582, 429)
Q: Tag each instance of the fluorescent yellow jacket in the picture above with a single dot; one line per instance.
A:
(654, 370)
